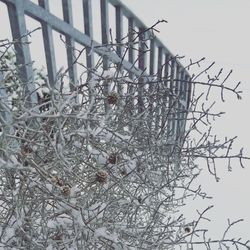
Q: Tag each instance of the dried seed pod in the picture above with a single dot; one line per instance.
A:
(112, 98)
(58, 236)
(26, 150)
(57, 181)
(113, 158)
(66, 190)
(101, 176)
(187, 230)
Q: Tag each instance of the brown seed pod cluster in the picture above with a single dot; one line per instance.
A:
(26, 150)
(57, 181)
(187, 230)
(113, 158)
(102, 176)
(65, 188)
(58, 236)
(112, 98)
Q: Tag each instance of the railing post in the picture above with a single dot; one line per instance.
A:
(178, 114)
(142, 49)
(151, 84)
(105, 42)
(152, 57)
(131, 52)
(186, 97)
(159, 63)
(170, 127)
(19, 34)
(68, 18)
(176, 106)
(105, 29)
(131, 59)
(142, 66)
(165, 100)
(158, 100)
(119, 30)
(189, 90)
(119, 34)
(48, 45)
(88, 29)
(182, 107)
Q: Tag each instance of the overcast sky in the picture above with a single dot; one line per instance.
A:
(217, 30)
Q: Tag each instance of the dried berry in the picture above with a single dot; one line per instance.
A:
(113, 158)
(66, 190)
(187, 230)
(58, 181)
(101, 176)
(26, 150)
(112, 98)
(58, 236)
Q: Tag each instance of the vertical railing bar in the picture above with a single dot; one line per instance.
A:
(166, 70)
(159, 98)
(131, 37)
(172, 73)
(48, 45)
(141, 64)
(189, 91)
(159, 64)
(185, 94)
(151, 85)
(131, 59)
(119, 34)
(142, 49)
(176, 111)
(186, 98)
(119, 29)
(18, 30)
(159, 78)
(88, 30)
(177, 115)
(152, 57)
(166, 87)
(171, 94)
(67, 16)
(166, 91)
(182, 106)
(105, 41)
(105, 28)
(131, 52)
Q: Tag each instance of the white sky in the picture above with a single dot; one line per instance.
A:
(217, 30)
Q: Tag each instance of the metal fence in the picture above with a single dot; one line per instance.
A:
(158, 61)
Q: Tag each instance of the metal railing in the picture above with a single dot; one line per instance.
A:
(165, 66)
